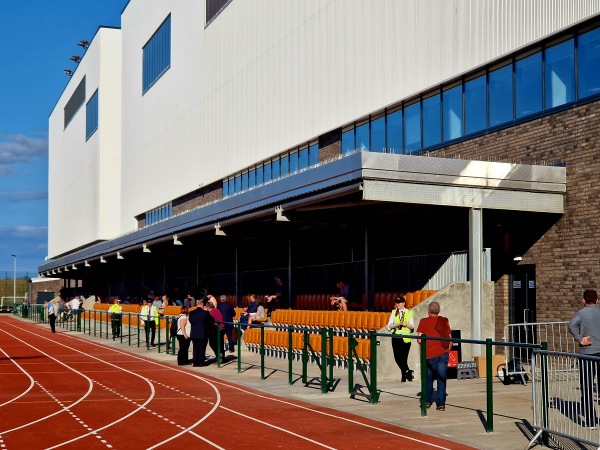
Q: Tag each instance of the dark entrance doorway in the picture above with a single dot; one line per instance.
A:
(522, 297)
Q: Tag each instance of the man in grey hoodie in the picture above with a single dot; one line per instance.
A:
(585, 328)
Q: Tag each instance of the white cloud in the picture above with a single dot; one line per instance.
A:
(18, 148)
(23, 196)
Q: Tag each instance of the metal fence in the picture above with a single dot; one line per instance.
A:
(565, 397)
(518, 359)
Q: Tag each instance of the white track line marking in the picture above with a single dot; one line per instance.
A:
(202, 419)
(31, 381)
(352, 421)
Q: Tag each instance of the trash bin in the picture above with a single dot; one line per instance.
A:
(457, 349)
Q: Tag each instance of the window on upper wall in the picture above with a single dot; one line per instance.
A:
(238, 183)
(378, 135)
(275, 169)
(313, 155)
(75, 102)
(362, 137)
(214, 7)
(91, 116)
(231, 186)
(560, 74)
(432, 121)
(303, 158)
(259, 175)
(475, 105)
(588, 63)
(528, 79)
(453, 113)
(267, 172)
(348, 144)
(293, 162)
(501, 95)
(412, 127)
(252, 178)
(225, 188)
(394, 132)
(157, 55)
(244, 181)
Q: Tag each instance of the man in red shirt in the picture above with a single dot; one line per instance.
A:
(436, 353)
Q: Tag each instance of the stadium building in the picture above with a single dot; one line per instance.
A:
(394, 145)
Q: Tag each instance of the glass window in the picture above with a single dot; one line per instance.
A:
(245, 181)
(560, 74)
(267, 172)
(275, 169)
(293, 162)
(528, 78)
(394, 132)
(501, 96)
(156, 55)
(75, 102)
(303, 158)
(285, 165)
(362, 137)
(432, 121)
(313, 155)
(588, 63)
(475, 105)
(225, 188)
(238, 183)
(252, 178)
(348, 141)
(412, 123)
(259, 175)
(231, 186)
(378, 135)
(91, 116)
(453, 113)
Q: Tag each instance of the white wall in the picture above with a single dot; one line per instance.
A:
(84, 183)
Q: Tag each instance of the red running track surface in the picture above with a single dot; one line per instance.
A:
(61, 391)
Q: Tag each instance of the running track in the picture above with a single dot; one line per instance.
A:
(61, 391)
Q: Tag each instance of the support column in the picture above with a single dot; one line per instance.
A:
(369, 288)
(476, 274)
(238, 295)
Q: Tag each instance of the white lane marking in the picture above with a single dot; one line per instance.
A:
(90, 385)
(31, 381)
(216, 405)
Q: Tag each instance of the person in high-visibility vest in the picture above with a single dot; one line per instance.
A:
(401, 323)
(115, 311)
(149, 317)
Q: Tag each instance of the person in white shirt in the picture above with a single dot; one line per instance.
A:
(149, 318)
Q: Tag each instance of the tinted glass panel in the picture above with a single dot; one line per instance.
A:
(560, 74)
(432, 121)
(412, 121)
(475, 105)
(231, 186)
(528, 77)
(75, 102)
(501, 96)
(362, 137)
(348, 141)
(238, 183)
(259, 175)
(91, 115)
(252, 178)
(225, 188)
(588, 63)
(275, 169)
(313, 155)
(378, 135)
(285, 165)
(244, 181)
(293, 162)
(267, 172)
(394, 132)
(303, 158)
(453, 112)
(157, 55)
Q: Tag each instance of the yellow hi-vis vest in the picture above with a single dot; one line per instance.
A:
(404, 316)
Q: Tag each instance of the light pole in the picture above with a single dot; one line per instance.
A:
(14, 280)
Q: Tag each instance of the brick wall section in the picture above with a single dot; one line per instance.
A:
(199, 197)
(44, 286)
(567, 257)
(330, 151)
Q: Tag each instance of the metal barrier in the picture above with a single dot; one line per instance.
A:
(518, 358)
(564, 397)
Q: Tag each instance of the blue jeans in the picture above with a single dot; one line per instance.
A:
(437, 368)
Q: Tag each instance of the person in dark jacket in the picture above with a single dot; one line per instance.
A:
(201, 322)
(228, 313)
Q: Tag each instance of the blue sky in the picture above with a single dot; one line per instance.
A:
(37, 39)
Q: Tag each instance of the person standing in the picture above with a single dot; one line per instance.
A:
(201, 321)
(74, 305)
(436, 353)
(228, 313)
(585, 328)
(183, 336)
(216, 337)
(149, 317)
(401, 322)
(115, 311)
(52, 314)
